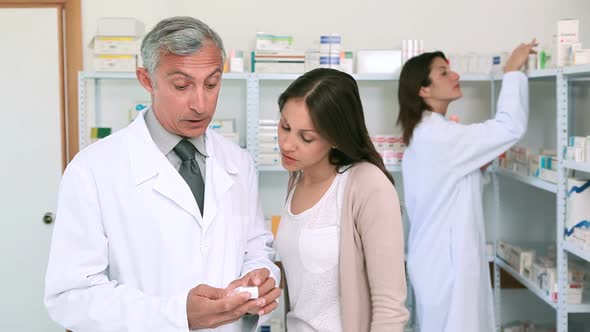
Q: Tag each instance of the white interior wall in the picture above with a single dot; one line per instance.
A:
(456, 26)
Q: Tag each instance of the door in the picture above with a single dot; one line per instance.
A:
(31, 147)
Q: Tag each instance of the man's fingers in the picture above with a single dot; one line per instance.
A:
(269, 299)
(258, 276)
(272, 306)
(235, 284)
(209, 292)
(229, 304)
(268, 285)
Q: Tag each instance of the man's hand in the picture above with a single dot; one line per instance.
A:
(209, 307)
(268, 292)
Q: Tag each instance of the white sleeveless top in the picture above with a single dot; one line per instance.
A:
(309, 246)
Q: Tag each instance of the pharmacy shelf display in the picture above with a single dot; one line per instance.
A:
(563, 78)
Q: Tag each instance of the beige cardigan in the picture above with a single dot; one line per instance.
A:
(372, 273)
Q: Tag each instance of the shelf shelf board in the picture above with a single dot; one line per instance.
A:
(530, 180)
(574, 249)
(473, 77)
(543, 73)
(526, 282)
(584, 167)
(577, 71)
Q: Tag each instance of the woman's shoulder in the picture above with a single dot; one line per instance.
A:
(367, 175)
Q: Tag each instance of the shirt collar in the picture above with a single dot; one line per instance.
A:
(165, 140)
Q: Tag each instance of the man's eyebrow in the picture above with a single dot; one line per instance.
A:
(178, 72)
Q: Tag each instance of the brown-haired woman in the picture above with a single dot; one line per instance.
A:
(447, 261)
(340, 238)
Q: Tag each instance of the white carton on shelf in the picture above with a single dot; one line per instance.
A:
(548, 175)
(538, 269)
(265, 129)
(378, 61)
(119, 26)
(115, 45)
(503, 249)
(268, 138)
(115, 63)
(582, 57)
(268, 148)
(567, 35)
(269, 159)
(577, 205)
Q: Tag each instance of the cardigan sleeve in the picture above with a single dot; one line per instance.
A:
(378, 221)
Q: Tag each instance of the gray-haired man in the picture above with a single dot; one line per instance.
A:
(158, 223)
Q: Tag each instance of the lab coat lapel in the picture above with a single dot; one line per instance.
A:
(148, 161)
(218, 178)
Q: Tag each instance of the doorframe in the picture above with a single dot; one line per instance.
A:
(71, 62)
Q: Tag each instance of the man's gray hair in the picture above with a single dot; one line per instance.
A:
(180, 35)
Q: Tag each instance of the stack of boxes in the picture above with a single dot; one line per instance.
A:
(275, 54)
(578, 149)
(569, 48)
(526, 162)
(519, 259)
(117, 44)
(268, 143)
(542, 272)
(390, 147)
(330, 51)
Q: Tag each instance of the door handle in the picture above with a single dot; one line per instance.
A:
(48, 218)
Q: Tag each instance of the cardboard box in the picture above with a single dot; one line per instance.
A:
(577, 205)
(116, 45)
(378, 61)
(568, 31)
(115, 63)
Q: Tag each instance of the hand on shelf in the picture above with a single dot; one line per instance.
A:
(520, 56)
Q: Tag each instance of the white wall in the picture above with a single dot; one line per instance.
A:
(452, 26)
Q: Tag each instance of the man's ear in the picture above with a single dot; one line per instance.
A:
(144, 79)
(424, 92)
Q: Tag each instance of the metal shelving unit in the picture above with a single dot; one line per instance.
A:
(562, 76)
(564, 112)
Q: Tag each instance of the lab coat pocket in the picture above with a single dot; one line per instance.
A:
(320, 248)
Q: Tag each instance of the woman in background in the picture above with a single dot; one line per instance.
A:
(447, 261)
(340, 238)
